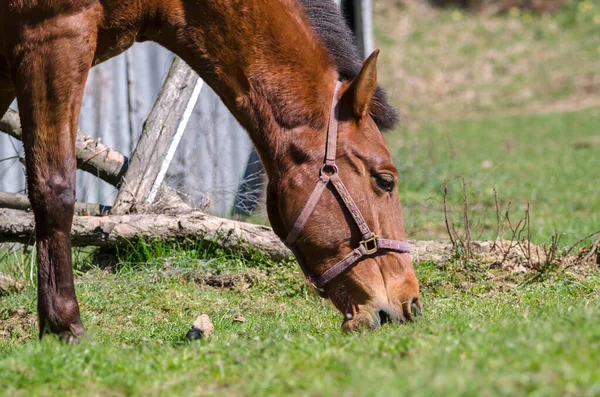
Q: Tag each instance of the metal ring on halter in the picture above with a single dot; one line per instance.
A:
(333, 168)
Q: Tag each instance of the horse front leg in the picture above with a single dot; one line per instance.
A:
(49, 71)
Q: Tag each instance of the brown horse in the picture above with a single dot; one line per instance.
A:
(277, 65)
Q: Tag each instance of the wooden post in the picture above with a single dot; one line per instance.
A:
(359, 15)
(364, 26)
(160, 137)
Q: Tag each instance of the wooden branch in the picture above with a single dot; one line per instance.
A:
(96, 158)
(17, 201)
(593, 251)
(168, 201)
(92, 156)
(14, 201)
(109, 231)
(158, 140)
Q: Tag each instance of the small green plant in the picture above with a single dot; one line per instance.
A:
(155, 254)
(19, 262)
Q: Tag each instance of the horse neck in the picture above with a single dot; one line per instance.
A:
(264, 61)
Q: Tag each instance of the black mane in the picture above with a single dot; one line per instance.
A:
(329, 24)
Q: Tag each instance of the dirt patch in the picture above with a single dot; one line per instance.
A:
(16, 323)
(228, 281)
(237, 282)
(9, 285)
(503, 263)
(513, 256)
(523, 257)
(499, 267)
(431, 250)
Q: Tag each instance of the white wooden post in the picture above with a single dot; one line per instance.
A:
(175, 142)
(363, 13)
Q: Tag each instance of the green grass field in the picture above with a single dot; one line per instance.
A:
(509, 103)
(541, 338)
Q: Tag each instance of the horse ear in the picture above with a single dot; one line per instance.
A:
(363, 86)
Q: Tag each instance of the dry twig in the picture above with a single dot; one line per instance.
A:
(446, 213)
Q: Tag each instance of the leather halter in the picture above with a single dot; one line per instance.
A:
(370, 243)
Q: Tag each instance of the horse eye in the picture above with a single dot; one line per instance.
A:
(385, 182)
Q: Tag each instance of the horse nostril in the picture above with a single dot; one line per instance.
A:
(411, 309)
(384, 317)
(415, 308)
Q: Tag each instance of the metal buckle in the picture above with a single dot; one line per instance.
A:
(330, 168)
(370, 245)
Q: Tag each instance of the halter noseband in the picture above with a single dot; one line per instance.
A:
(371, 243)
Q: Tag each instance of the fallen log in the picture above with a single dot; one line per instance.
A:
(167, 202)
(121, 230)
(110, 231)
(118, 230)
(14, 201)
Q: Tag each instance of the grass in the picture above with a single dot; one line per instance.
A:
(540, 338)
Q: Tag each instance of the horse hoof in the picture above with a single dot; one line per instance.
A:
(70, 338)
(69, 335)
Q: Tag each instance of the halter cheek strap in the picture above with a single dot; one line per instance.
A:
(329, 174)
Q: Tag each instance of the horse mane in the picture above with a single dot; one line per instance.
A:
(331, 28)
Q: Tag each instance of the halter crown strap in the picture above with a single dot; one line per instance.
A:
(371, 243)
(332, 129)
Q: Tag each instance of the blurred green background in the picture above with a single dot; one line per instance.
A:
(507, 99)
